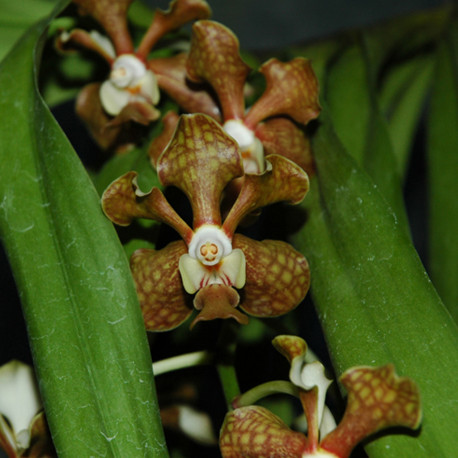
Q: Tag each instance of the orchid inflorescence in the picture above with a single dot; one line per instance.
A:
(377, 399)
(229, 161)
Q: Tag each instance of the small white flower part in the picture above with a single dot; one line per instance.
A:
(196, 425)
(308, 375)
(104, 42)
(19, 402)
(250, 146)
(211, 259)
(129, 81)
(209, 245)
(231, 271)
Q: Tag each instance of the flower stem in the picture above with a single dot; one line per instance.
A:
(225, 362)
(197, 358)
(265, 389)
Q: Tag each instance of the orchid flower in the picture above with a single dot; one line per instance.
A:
(211, 260)
(23, 429)
(272, 124)
(377, 399)
(131, 91)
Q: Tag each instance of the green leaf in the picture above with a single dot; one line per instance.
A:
(17, 17)
(84, 322)
(402, 96)
(374, 299)
(359, 123)
(442, 170)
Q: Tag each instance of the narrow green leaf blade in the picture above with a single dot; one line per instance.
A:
(374, 299)
(83, 318)
(442, 170)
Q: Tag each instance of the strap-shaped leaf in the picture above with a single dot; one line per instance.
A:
(84, 321)
(375, 302)
(442, 170)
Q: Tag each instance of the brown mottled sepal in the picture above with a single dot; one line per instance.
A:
(179, 13)
(254, 431)
(201, 160)
(123, 201)
(192, 97)
(283, 181)
(112, 16)
(214, 58)
(164, 302)
(282, 136)
(291, 89)
(277, 277)
(377, 399)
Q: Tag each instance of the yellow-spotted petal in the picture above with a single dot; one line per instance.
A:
(290, 347)
(179, 13)
(282, 136)
(253, 432)
(283, 181)
(123, 201)
(277, 276)
(201, 159)
(291, 89)
(112, 16)
(164, 302)
(214, 58)
(377, 399)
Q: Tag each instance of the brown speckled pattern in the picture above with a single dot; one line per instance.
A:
(164, 302)
(112, 16)
(377, 399)
(255, 432)
(121, 204)
(201, 160)
(214, 58)
(277, 277)
(291, 89)
(284, 137)
(179, 13)
(285, 182)
(290, 346)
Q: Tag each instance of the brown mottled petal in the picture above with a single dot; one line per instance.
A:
(80, 38)
(218, 301)
(90, 110)
(201, 160)
(291, 89)
(192, 97)
(164, 302)
(158, 144)
(112, 16)
(277, 277)
(285, 181)
(290, 346)
(137, 111)
(214, 57)
(254, 431)
(122, 201)
(377, 399)
(282, 136)
(179, 13)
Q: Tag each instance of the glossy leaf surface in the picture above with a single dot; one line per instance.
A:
(374, 299)
(83, 317)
